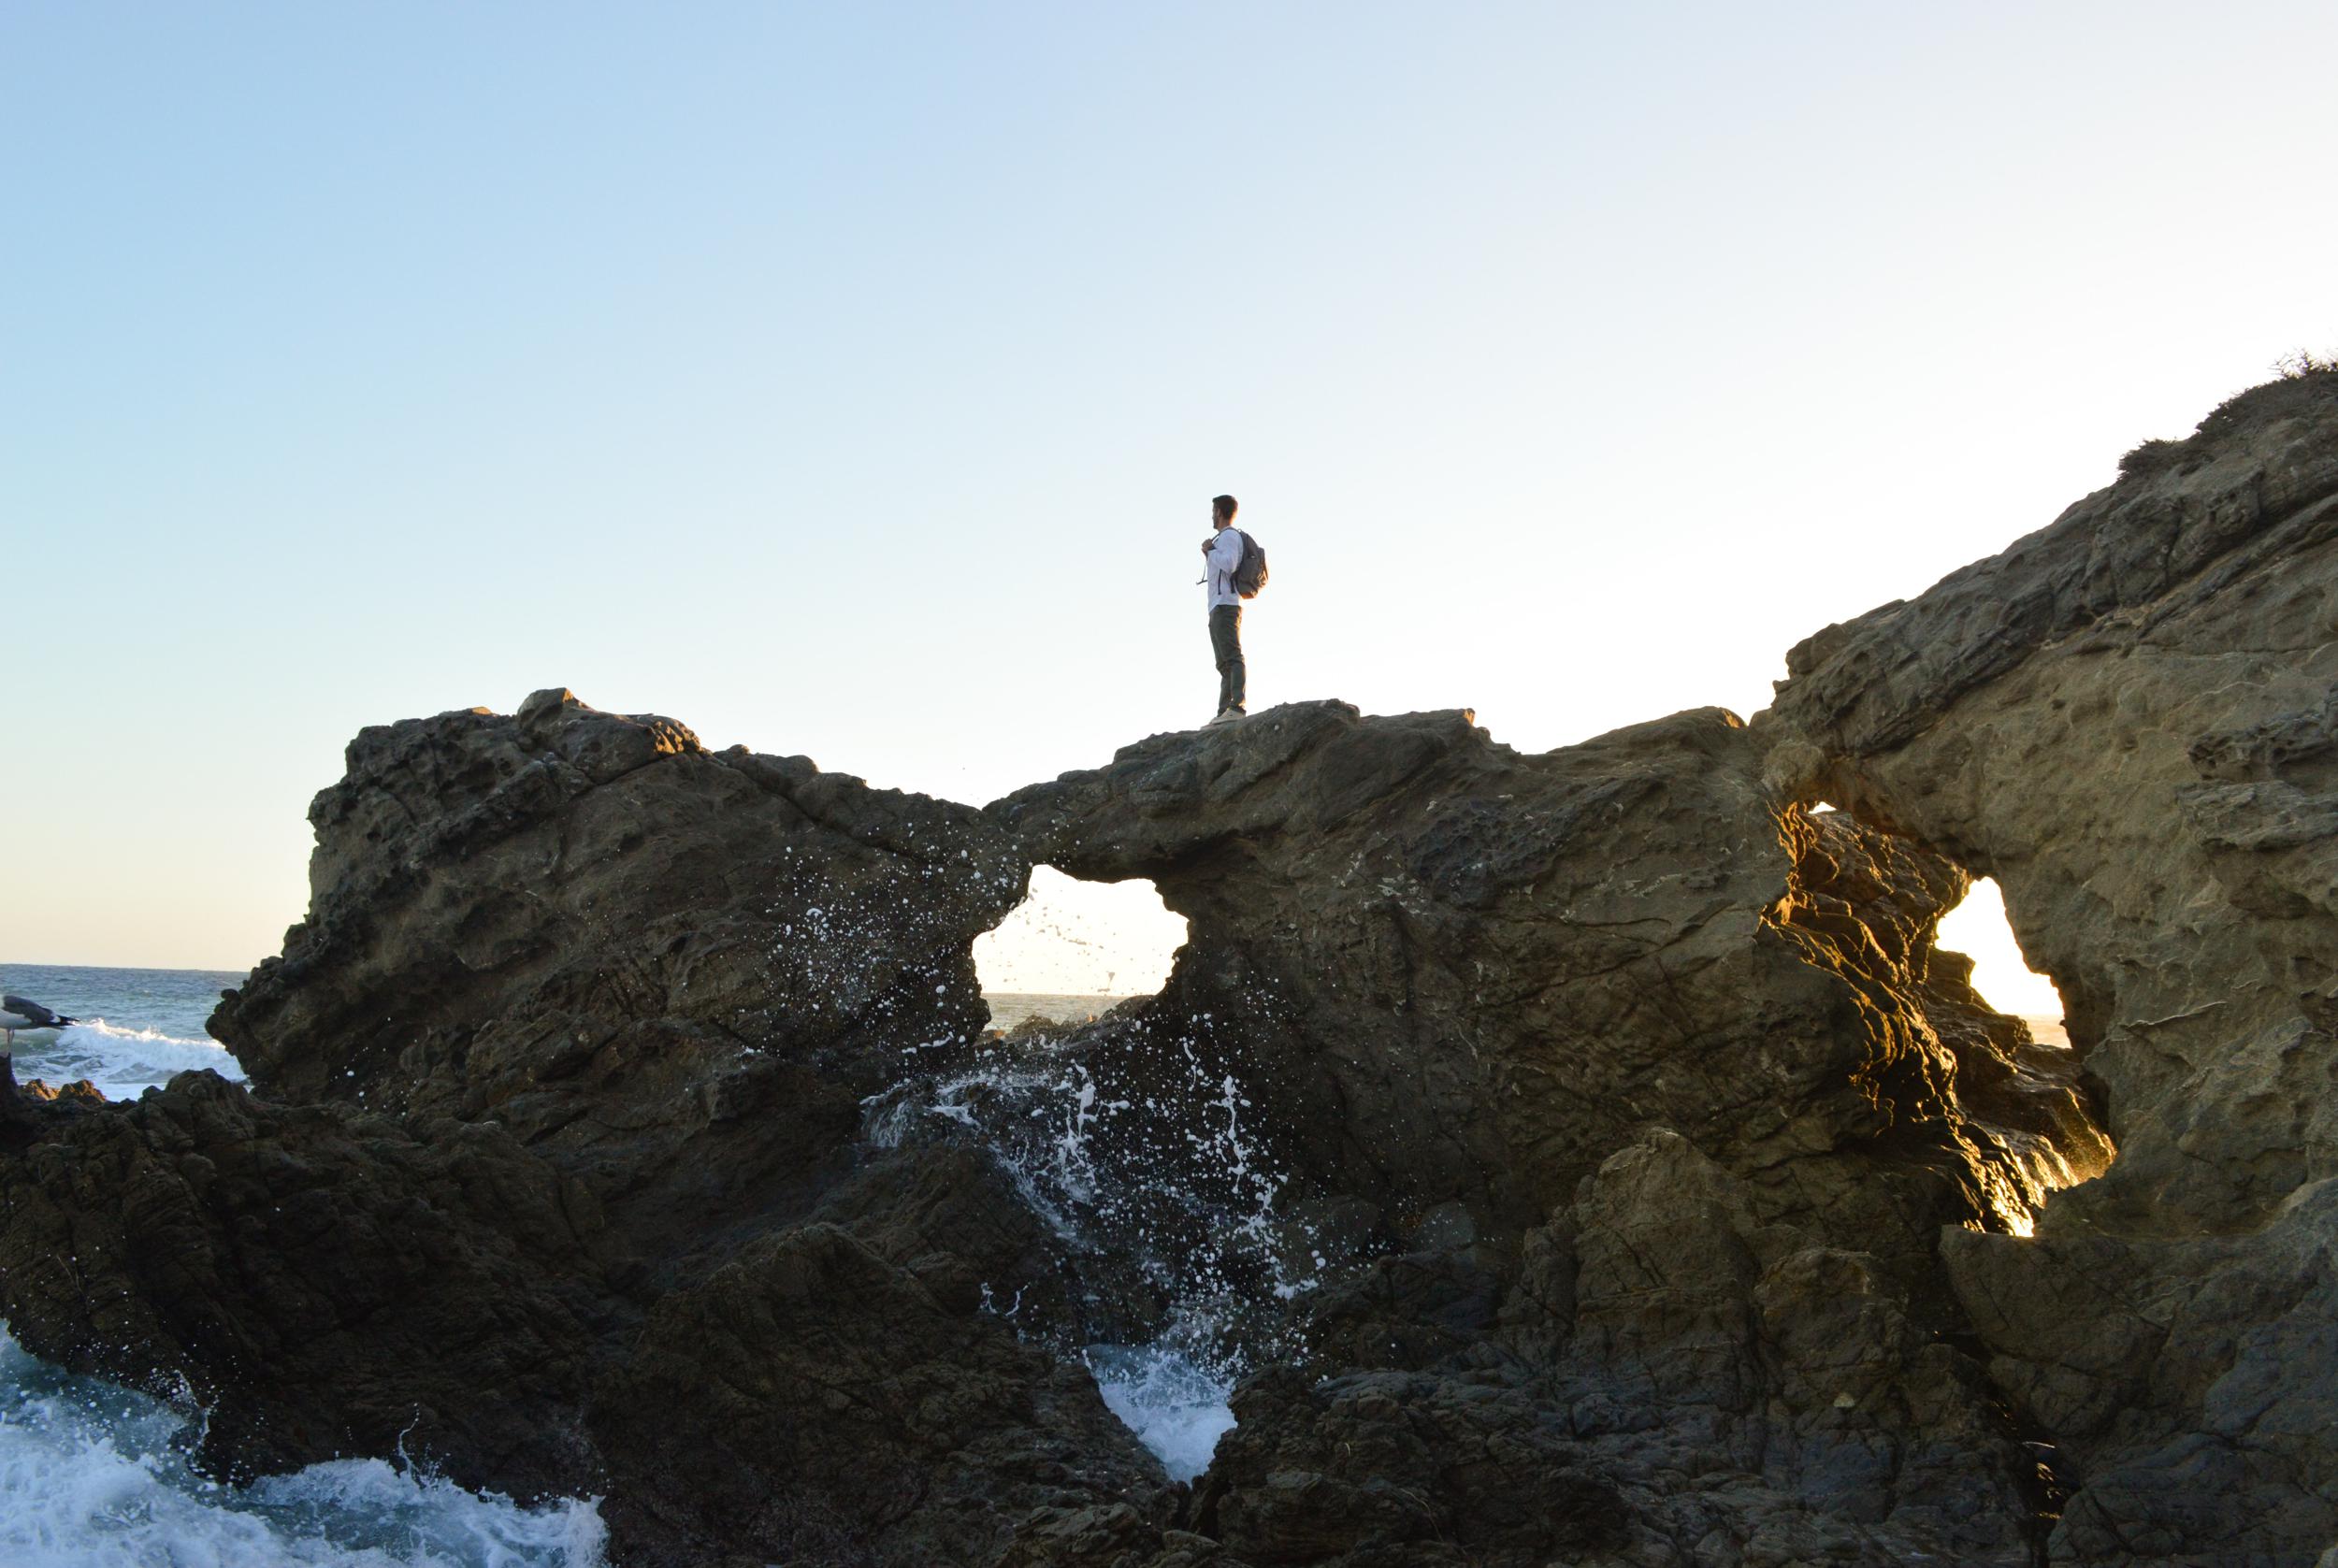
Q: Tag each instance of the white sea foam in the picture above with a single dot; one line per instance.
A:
(122, 1062)
(1180, 1183)
(1176, 1406)
(90, 1478)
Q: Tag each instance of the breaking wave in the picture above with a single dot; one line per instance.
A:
(122, 1063)
(93, 1476)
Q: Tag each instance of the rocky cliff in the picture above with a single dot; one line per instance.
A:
(551, 1168)
(672, 973)
(1652, 1097)
(1460, 974)
(2128, 720)
(1585, 1157)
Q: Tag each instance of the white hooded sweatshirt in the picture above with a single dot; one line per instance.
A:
(1225, 555)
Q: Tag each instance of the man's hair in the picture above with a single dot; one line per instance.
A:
(1224, 506)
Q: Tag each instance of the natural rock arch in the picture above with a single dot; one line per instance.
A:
(1679, 1167)
(1463, 975)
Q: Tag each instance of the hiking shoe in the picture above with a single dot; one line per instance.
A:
(1225, 715)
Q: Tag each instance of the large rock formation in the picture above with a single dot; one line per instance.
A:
(1585, 1157)
(2127, 719)
(673, 972)
(551, 1171)
(1448, 972)
(1654, 1091)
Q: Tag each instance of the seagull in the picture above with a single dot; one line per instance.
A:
(19, 1017)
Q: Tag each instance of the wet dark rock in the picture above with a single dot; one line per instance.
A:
(814, 1399)
(949, 1214)
(321, 1282)
(1407, 1311)
(673, 972)
(1382, 1468)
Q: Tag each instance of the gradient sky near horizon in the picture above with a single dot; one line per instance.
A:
(851, 381)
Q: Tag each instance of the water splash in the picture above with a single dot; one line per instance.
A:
(96, 1478)
(1135, 1144)
(1176, 1406)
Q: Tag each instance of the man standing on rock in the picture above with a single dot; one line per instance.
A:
(1223, 554)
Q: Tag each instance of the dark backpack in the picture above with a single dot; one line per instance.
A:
(1250, 575)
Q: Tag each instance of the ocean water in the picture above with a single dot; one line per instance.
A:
(1175, 1402)
(133, 1029)
(93, 1476)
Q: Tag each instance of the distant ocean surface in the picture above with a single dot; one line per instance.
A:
(1010, 1008)
(135, 1028)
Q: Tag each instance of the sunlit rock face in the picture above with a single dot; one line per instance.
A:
(2127, 719)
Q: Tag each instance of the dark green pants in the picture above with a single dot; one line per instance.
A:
(1225, 641)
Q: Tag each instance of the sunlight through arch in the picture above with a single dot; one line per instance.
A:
(1073, 940)
(1978, 928)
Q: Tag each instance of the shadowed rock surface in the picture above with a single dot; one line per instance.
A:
(322, 1282)
(675, 973)
(1455, 973)
(1586, 1157)
(861, 1419)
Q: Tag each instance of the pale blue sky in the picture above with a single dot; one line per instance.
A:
(852, 379)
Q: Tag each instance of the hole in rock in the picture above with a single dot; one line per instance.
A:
(1978, 928)
(1071, 950)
